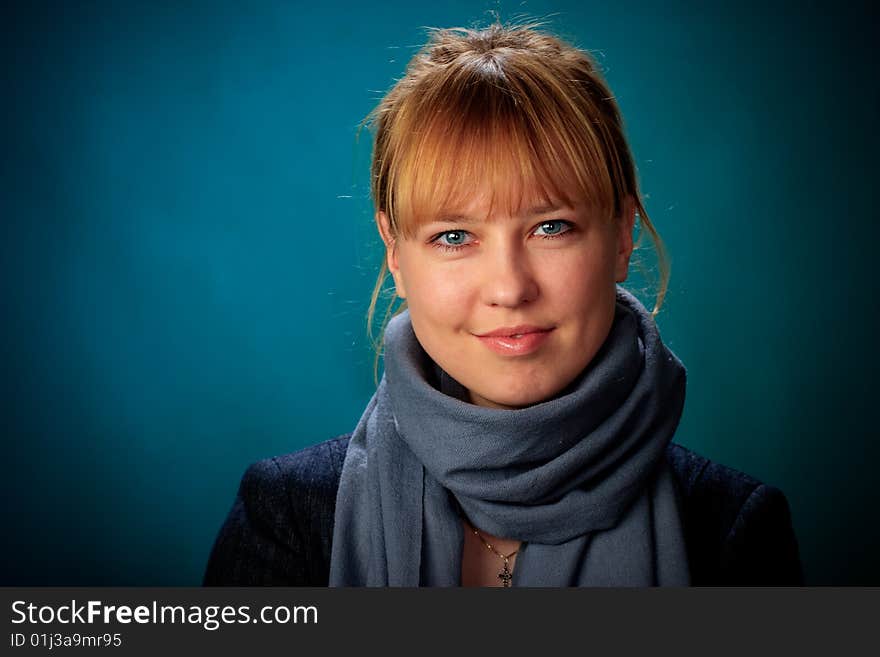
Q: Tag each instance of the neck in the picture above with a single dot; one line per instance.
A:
(503, 545)
(481, 566)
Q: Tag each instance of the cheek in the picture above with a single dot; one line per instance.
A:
(577, 283)
(437, 295)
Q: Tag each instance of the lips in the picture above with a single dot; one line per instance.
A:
(515, 340)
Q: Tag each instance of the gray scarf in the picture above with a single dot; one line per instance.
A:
(582, 479)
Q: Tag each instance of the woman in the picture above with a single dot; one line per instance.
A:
(521, 434)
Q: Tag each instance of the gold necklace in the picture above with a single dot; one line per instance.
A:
(505, 575)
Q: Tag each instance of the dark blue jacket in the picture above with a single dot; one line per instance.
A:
(737, 530)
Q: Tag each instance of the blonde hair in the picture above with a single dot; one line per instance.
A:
(510, 106)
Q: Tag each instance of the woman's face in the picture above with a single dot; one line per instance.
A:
(513, 307)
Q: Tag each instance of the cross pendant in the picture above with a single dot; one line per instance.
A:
(505, 576)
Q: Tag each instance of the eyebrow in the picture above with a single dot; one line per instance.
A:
(455, 218)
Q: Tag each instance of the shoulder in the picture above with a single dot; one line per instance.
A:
(738, 530)
(279, 529)
(314, 468)
(295, 488)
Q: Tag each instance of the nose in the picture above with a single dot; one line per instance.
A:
(509, 280)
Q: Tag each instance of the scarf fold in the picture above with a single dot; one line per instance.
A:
(581, 479)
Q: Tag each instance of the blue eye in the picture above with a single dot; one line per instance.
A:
(454, 237)
(451, 239)
(552, 228)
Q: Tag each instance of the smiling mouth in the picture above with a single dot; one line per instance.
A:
(514, 331)
(517, 342)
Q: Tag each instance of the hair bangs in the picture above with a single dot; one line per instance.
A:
(478, 136)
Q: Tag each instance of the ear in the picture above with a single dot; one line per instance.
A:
(625, 224)
(391, 258)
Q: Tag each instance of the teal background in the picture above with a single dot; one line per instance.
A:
(187, 254)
